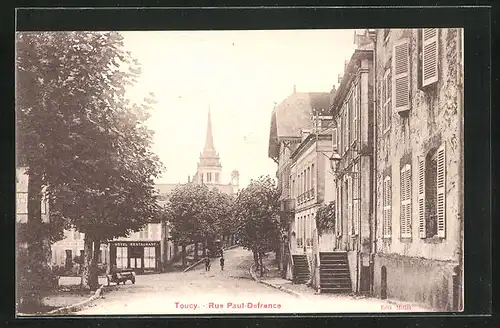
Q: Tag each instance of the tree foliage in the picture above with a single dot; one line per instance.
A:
(325, 218)
(79, 135)
(198, 213)
(257, 212)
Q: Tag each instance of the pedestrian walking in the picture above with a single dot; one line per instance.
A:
(222, 263)
(207, 264)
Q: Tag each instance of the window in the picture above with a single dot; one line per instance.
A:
(355, 201)
(82, 253)
(313, 177)
(76, 235)
(293, 189)
(355, 109)
(401, 79)
(431, 194)
(350, 122)
(349, 205)
(308, 179)
(430, 56)
(144, 232)
(405, 209)
(386, 208)
(216, 176)
(209, 177)
(121, 257)
(346, 126)
(338, 210)
(386, 104)
(334, 139)
(100, 256)
(149, 257)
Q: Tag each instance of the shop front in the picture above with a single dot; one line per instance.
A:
(140, 256)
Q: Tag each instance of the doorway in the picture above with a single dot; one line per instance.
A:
(136, 257)
(383, 283)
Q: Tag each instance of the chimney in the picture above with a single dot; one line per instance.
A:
(339, 78)
(189, 179)
(294, 88)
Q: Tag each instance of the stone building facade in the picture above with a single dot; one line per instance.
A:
(352, 146)
(419, 163)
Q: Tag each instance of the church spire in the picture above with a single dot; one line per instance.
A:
(209, 141)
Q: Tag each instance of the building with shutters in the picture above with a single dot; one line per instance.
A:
(292, 120)
(418, 231)
(353, 147)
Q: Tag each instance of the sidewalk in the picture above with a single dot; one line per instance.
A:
(332, 303)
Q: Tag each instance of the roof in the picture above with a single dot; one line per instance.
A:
(166, 188)
(294, 114)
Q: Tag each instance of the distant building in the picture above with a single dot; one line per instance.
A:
(289, 119)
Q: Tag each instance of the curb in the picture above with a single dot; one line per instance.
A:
(77, 306)
(286, 290)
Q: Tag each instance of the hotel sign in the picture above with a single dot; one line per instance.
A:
(135, 243)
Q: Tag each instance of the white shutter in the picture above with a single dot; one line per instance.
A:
(405, 215)
(387, 212)
(401, 79)
(402, 208)
(408, 199)
(421, 197)
(441, 192)
(430, 52)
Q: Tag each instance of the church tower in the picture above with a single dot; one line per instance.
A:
(209, 167)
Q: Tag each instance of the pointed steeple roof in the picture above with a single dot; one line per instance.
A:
(209, 141)
(209, 156)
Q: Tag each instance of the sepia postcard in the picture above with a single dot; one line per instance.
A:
(239, 172)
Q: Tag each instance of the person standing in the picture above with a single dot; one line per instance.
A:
(207, 263)
(222, 263)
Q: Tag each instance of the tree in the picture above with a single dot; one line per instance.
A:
(81, 137)
(257, 211)
(325, 218)
(197, 214)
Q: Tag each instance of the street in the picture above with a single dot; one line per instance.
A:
(230, 291)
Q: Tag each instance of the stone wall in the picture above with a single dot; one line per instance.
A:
(428, 283)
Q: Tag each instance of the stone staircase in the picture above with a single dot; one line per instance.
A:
(334, 273)
(301, 273)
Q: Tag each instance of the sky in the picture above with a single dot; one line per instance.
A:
(240, 75)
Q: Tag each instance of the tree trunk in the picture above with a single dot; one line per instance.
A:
(261, 266)
(94, 274)
(183, 255)
(196, 250)
(256, 258)
(38, 245)
(87, 262)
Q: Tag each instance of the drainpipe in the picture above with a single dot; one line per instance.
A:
(373, 226)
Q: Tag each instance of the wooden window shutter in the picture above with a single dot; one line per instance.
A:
(441, 192)
(401, 76)
(421, 197)
(387, 213)
(405, 214)
(430, 55)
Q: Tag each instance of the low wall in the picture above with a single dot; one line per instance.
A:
(416, 280)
